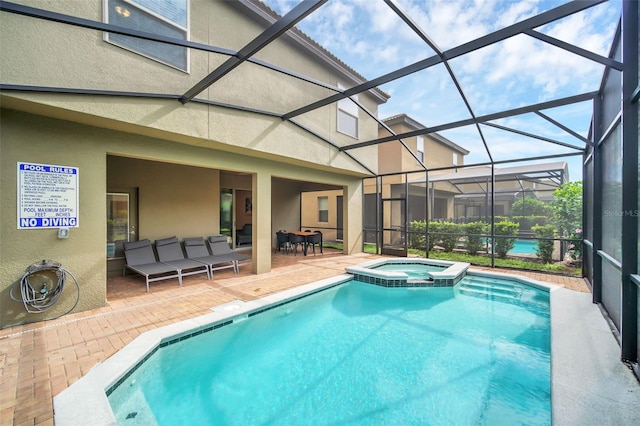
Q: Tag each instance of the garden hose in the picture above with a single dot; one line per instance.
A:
(42, 296)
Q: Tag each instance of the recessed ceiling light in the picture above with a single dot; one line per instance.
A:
(123, 11)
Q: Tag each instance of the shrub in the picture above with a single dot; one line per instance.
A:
(503, 245)
(498, 218)
(475, 242)
(529, 206)
(575, 246)
(435, 236)
(418, 238)
(450, 233)
(527, 222)
(444, 234)
(545, 247)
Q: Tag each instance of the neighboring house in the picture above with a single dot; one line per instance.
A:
(511, 184)
(133, 123)
(411, 155)
(460, 194)
(433, 152)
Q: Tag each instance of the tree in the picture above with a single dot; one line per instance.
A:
(567, 214)
(566, 206)
(529, 206)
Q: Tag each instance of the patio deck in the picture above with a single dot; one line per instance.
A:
(38, 361)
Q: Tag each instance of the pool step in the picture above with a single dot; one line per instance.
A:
(489, 290)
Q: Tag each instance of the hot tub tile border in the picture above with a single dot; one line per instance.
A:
(367, 273)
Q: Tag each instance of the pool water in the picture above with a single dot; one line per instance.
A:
(359, 354)
(524, 247)
(413, 270)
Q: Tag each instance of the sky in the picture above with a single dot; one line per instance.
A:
(369, 37)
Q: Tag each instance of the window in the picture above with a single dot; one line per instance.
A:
(166, 17)
(323, 209)
(455, 158)
(348, 115)
(420, 148)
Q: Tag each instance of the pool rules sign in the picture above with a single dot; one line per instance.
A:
(47, 196)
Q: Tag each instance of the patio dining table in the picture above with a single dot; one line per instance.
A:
(306, 235)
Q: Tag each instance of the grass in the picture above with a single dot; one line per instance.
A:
(368, 248)
(528, 265)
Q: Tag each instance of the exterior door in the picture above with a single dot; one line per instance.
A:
(394, 236)
(339, 219)
(122, 220)
(226, 212)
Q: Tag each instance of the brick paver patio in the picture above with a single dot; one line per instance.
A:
(37, 361)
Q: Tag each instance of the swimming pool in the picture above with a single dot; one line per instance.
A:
(358, 354)
(527, 247)
(524, 247)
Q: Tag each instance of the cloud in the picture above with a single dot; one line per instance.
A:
(518, 71)
(341, 14)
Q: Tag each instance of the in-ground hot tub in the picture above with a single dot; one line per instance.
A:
(410, 272)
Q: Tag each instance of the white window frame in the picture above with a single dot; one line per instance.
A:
(420, 148)
(323, 202)
(455, 158)
(178, 26)
(348, 110)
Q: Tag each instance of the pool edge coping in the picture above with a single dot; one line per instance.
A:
(92, 388)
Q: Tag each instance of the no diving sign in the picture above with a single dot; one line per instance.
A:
(47, 196)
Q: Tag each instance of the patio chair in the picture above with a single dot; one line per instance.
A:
(296, 240)
(243, 235)
(315, 239)
(283, 242)
(220, 247)
(170, 252)
(196, 249)
(141, 259)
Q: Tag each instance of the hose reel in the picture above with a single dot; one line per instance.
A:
(42, 285)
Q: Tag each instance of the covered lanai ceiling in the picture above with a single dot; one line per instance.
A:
(507, 81)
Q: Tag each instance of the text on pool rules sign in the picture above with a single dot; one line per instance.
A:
(47, 196)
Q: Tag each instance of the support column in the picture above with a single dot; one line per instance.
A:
(261, 219)
(629, 322)
(597, 212)
(352, 217)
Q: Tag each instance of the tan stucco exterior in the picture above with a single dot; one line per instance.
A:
(177, 156)
(29, 46)
(310, 213)
(438, 151)
(396, 158)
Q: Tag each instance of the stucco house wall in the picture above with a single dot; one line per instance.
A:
(310, 218)
(106, 136)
